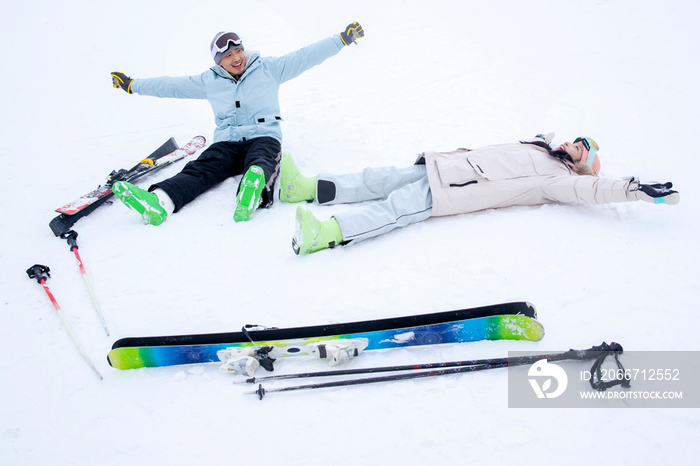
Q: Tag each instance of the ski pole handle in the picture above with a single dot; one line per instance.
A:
(594, 351)
(72, 238)
(39, 272)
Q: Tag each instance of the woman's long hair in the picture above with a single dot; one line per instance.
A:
(556, 153)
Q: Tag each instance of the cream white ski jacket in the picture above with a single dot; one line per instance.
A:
(508, 175)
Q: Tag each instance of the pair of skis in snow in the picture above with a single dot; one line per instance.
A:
(333, 342)
(165, 155)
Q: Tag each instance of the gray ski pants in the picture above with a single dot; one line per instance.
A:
(405, 195)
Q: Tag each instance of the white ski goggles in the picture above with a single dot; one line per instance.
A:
(222, 42)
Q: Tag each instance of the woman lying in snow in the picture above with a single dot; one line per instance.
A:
(449, 183)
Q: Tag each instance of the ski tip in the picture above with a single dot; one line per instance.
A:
(534, 309)
(199, 141)
(537, 331)
(517, 327)
(61, 224)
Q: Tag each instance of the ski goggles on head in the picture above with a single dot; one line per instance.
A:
(591, 147)
(222, 42)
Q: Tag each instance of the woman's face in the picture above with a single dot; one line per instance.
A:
(575, 150)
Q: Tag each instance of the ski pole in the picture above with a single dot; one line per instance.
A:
(599, 352)
(410, 367)
(71, 237)
(261, 391)
(41, 273)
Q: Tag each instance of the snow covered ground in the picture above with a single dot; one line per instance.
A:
(429, 75)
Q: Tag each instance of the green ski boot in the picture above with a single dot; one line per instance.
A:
(141, 201)
(295, 187)
(311, 235)
(249, 193)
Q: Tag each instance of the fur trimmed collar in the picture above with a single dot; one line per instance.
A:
(581, 168)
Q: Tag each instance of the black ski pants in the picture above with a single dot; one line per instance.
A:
(223, 160)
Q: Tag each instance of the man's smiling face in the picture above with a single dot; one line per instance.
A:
(234, 62)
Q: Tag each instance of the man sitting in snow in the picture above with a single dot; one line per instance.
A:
(449, 183)
(242, 89)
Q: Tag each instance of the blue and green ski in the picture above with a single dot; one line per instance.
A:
(508, 321)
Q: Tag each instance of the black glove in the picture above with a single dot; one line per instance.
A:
(119, 79)
(656, 193)
(352, 32)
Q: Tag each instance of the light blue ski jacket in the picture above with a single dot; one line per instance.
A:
(247, 108)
